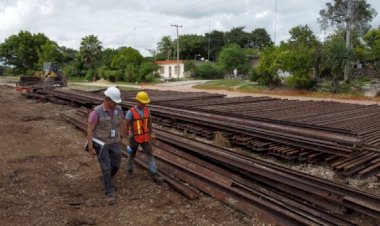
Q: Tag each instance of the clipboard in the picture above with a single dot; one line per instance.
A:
(97, 144)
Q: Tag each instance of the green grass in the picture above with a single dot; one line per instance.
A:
(77, 79)
(84, 87)
(233, 85)
(221, 84)
(94, 86)
(9, 78)
(354, 87)
(251, 88)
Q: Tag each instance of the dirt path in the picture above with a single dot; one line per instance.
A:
(47, 179)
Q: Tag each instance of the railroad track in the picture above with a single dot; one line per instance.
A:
(290, 139)
(256, 187)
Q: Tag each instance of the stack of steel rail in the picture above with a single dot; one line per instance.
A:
(287, 139)
(253, 186)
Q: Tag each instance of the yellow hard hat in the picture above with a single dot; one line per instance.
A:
(142, 97)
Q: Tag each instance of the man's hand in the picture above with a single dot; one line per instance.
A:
(92, 151)
(125, 141)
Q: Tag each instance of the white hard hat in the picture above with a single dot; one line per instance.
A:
(113, 93)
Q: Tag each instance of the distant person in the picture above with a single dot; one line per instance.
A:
(235, 73)
(139, 126)
(104, 126)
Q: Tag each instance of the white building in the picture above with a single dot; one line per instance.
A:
(171, 69)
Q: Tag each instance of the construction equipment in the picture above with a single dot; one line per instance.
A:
(50, 77)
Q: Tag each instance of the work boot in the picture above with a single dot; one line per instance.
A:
(110, 199)
(157, 178)
(130, 173)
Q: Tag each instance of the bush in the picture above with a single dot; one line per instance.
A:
(267, 79)
(208, 71)
(102, 72)
(147, 69)
(7, 71)
(30, 72)
(113, 75)
(89, 75)
(190, 66)
(231, 57)
(254, 75)
(300, 82)
(151, 77)
(70, 70)
(130, 73)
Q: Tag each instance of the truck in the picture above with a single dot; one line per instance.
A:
(50, 77)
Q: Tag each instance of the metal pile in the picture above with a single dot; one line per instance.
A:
(253, 186)
(290, 140)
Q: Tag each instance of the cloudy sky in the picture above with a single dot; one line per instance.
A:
(142, 23)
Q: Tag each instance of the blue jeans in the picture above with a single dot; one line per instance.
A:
(109, 161)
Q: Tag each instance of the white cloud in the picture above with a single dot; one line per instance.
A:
(262, 14)
(114, 21)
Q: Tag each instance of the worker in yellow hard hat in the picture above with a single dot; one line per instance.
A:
(139, 126)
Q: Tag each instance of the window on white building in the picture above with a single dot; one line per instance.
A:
(162, 70)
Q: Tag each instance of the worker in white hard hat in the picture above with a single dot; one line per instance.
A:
(139, 126)
(104, 137)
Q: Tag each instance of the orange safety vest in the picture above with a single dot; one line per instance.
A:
(140, 126)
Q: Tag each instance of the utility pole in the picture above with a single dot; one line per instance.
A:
(177, 26)
(135, 38)
(209, 37)
(275, 22)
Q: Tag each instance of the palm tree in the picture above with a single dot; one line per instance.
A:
(90, 51)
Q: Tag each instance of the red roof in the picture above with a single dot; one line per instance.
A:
(169, 61)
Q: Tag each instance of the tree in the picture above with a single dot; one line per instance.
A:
(357, 16)
(302, 36)
(147, 72)
(299, 64)
(192, 46)
(90, 52)
(127, 60)
(68, 55)
(372, 40)
(107, 56)
(21, 50)
(49, 53)
(238, 36)
(215, 40)
(335, 13)
(2, 70)
(266, 71)
(165, 48)
(232, 56)
(126, 56)
(260, 39)
(336, 56)
(304, 51)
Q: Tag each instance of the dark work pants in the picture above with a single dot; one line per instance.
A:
(109, 161)
(147, 148)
